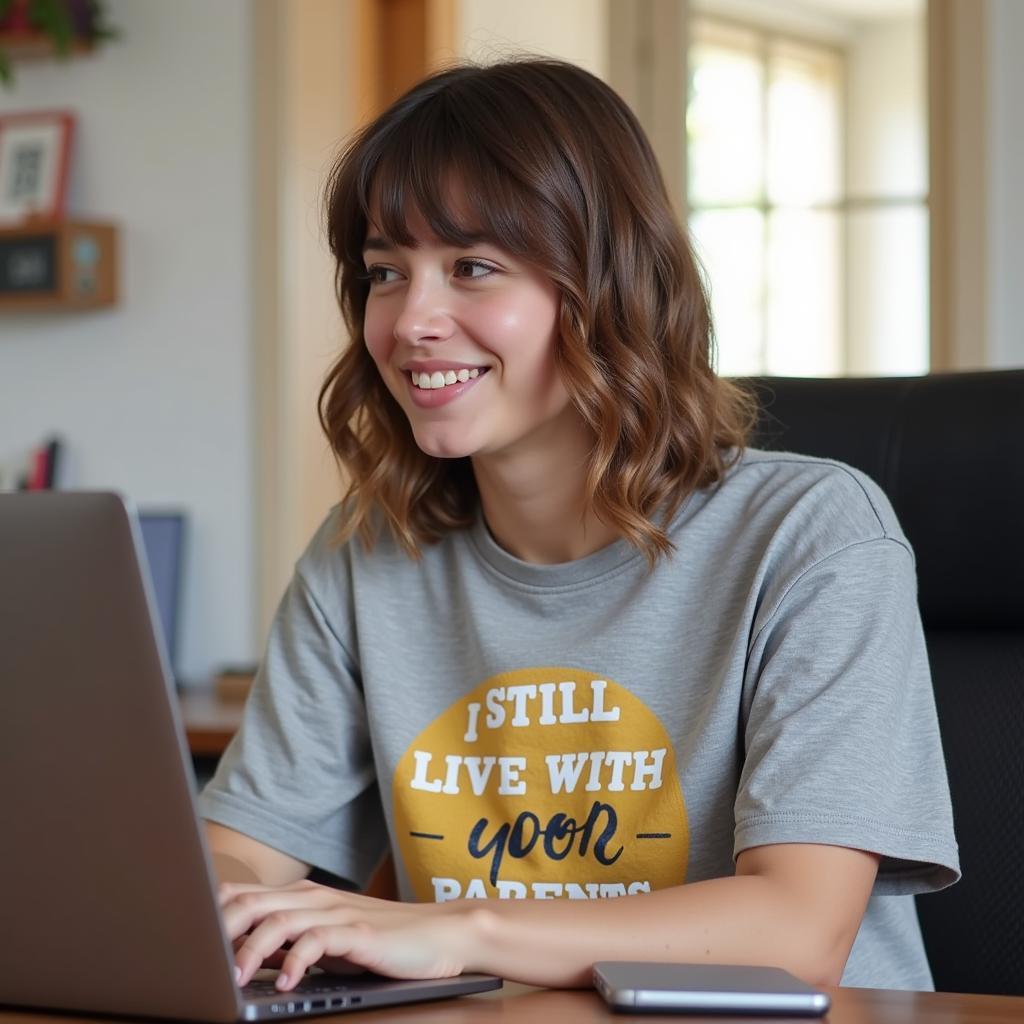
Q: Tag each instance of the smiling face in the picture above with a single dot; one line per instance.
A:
(464, 339)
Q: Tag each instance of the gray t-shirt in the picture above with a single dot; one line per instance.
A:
(594, 729)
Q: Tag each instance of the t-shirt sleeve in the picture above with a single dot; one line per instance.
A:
(840, 731)
(299, 775)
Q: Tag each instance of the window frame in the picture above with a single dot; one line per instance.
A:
(649, 40)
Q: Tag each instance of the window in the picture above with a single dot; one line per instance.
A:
(806, 278)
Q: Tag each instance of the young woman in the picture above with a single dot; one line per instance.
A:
(607, 684)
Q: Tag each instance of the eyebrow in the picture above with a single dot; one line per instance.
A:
(377, 243)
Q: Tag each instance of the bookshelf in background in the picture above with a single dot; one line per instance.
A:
(49, 260)
(57, 265)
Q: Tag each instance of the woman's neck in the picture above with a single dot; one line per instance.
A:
(534, 497)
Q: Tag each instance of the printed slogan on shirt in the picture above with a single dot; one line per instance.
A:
(543, 783)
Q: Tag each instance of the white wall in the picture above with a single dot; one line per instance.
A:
(1006, 175)
(154, 397)
(574, 30)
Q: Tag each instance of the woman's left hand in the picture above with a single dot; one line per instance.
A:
(336, 930)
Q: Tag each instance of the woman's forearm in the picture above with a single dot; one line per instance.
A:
(795, 906)
(239, 858)
(745, 920)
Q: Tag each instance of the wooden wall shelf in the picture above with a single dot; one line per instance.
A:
(37, 46)
(57, 265)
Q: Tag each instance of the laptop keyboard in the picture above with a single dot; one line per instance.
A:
(307, 986)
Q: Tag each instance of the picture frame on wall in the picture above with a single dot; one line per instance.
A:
(35, 157)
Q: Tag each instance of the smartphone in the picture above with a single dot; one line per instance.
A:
(706, 988)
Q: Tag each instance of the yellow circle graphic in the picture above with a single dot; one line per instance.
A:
(541, 783)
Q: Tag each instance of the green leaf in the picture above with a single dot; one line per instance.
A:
(53, 18)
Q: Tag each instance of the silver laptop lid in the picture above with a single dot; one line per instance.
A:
(109, 901)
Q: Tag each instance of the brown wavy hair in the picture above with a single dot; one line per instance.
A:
(553, 167)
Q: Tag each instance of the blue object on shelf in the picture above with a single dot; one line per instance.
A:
(163, 535)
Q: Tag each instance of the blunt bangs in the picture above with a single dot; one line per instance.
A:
(456, 169)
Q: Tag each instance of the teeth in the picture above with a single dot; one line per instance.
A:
(437, 379)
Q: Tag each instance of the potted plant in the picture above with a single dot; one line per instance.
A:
(58, 27)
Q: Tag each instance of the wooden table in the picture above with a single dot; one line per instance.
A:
(519, 1004)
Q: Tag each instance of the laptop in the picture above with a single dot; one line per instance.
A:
(109, 899)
